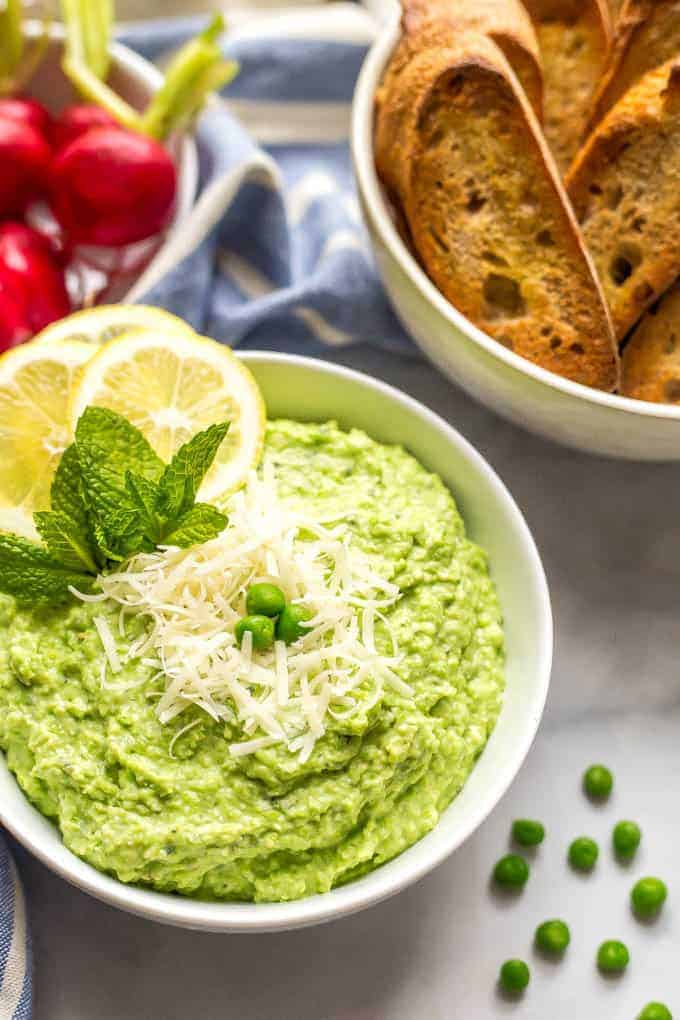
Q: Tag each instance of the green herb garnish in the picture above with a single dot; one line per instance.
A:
(112, 497)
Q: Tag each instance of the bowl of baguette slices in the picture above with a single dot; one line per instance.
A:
(518, 167)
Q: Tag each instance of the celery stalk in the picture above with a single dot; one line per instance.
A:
(193, 72)
(88, 30)
(96, 91)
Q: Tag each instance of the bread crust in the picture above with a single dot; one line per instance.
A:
(647, 34)
(651, 358)
(624, 185)
(505, 22)
(574, 38)
(460, 148)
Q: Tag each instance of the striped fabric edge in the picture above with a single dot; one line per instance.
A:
(15, 950)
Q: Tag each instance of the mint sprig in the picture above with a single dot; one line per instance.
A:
(112, 497)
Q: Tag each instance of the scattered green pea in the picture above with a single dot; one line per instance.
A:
(262, 629)
(583, 853)
(598, 782)
(655, 1011)
(626, 839)
(511, 872)
(514, 976)
(648, 896)
(527, 832)
(613, 957)
(290, 626)
(264, 599)
(552, 937)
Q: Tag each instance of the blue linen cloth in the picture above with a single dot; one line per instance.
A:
(274, 255)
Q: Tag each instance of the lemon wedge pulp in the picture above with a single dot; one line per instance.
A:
(173, 385)
(35, 390)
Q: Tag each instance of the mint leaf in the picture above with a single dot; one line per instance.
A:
(66, 529)
(144, 494)
(199, 524)
(108, 448)
(66, 493)
(182, 477)
(65, 541)
(31, 574)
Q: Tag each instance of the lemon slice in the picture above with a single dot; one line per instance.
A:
(35, 389)
(172, 386)
(104, 322)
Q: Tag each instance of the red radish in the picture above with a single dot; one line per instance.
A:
(14, 328)
(76, 120)
(27, 111)
(32, 291)
(24, 164)
(113, 187)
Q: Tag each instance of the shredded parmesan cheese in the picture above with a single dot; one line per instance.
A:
(193, 599)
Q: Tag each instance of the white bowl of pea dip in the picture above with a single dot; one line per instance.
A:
(416, 770)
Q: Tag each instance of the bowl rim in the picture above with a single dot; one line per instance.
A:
(394, 875)
(361, 141)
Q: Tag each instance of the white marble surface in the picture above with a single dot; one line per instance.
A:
(610, 536)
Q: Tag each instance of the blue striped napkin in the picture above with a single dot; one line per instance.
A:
(15, 947)
(273, 256)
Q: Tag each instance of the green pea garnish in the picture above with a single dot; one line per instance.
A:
(626, 839)
(265, 599)
(527, 832)
(290, 626)
(613, 957)
(262, 629)
(514, 976)
(655, 1011)
(552, 937)
(598, 782)
(511, 872)
(583, 853)
(648, 896)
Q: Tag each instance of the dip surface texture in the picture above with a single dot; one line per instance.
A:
(93, 756)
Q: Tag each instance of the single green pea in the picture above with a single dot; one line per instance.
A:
(598, 782)
(626, 839)
(511, 872)
(655, 1011)
(290, 626)
(514, 976)
(583, 853)
(262, 629)
(552, 937)
(527, 832)
(613, 957)
(648, 896)
(265, 599)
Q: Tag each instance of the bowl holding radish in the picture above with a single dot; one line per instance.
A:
(97, 164)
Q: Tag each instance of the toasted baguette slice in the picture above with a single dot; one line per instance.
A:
(625, 187)
(506, 22)
(651, 358)
(647, 35)
(574, 37)
(487, 213)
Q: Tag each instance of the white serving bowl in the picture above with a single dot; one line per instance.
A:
(541, 401)
(136, 80)
(313, 390)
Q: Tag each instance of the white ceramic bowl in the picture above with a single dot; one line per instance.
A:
(313, 390)
(541, 401)
(136, 80)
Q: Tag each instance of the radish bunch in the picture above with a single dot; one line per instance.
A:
(99, 166)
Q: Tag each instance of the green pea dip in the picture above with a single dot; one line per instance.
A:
(187, 816)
